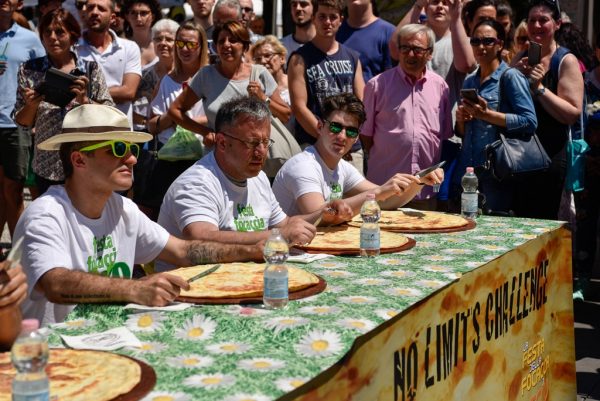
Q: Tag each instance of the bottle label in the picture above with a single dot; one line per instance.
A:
(469, 202)
(45, 396)
(276, 287)
(369, 239)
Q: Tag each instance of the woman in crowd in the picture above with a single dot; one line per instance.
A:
(140, 16)
(230, 77)
(504, 15)
(476, 11)
(504, 104)
(191, 54)
(557, 87)
(521, 40)
(59, 31)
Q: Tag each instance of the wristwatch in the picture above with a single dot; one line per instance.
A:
(268, 101)
(539, 91)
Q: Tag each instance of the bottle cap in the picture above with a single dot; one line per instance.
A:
(470, 169)
(30, 325)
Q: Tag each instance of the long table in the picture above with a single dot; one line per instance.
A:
(482, 314)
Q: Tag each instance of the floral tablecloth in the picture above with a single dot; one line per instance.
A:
(233, 352)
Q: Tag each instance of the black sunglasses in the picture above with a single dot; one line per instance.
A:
(485, 41)
(336, 128)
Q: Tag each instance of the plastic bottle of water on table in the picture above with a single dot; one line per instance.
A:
(369, 230)
(469, 197)
(29, 355)
(276, 252)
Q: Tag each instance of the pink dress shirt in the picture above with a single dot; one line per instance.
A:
(407, 122)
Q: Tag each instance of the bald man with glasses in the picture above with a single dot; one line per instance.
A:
(226, 197)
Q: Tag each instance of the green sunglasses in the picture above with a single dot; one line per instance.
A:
(119, 148)
(336, 128)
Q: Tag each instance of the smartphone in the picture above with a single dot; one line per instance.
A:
(534, 54)
(470, 95)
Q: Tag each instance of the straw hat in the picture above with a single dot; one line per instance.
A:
(94, 122)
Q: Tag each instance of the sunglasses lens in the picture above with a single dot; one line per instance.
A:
(351, 132)
(119, 148)
(180, 44)
(335, 128)
(489, 41)
(135, 149)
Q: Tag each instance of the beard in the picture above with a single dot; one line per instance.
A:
(303, 24)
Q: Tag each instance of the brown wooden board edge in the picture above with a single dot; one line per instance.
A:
(353, 251)
(144, 386)
(303, 293)
(469, 226)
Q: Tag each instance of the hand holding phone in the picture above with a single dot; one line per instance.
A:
(534, 54)
(470, 95)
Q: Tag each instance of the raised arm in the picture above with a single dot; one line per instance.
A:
(464, 60)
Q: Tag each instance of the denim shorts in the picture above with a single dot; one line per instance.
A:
(14, 152)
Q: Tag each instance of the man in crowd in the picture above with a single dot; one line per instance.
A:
(119, 58)
(408, 114)
(202, 10)
(319, 175)
(225, 196)
(81, 240)
(247, 16)
(227, 10)
(368, 35)
(17, 45)
(304, 29)
(323, 67)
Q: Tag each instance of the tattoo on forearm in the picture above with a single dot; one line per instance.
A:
(199, 253)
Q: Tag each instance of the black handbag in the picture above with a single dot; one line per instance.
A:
(515, 158)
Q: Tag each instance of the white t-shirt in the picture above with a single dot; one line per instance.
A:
(167, 92)
(204, 194)
(57, 235)
(121, 57)
(306, 173)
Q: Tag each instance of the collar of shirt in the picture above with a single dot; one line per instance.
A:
(12, 31)
(114, 43)
(494, 75)
(409, 80)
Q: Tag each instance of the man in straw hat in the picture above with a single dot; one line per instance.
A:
(81, 239)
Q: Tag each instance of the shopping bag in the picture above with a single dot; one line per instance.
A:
(182, 145)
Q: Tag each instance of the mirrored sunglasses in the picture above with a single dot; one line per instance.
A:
(185, 43)
(119, 148)
(336, 128)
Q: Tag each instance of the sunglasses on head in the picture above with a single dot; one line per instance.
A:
(186, 43)
(119, 148)
(484, 41)
(336, 128)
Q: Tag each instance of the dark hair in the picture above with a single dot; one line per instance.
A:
(65, 151)
(346, 102)
(248, 106)
(503, 9)
(571, 37)
(337, 4)
(472, 7)
(128, 5)
(496, 26)
(61, 17)
(235, 29)
(552, 5)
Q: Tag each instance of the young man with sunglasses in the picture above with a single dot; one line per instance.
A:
(319, 174)
(408, 114)
(119, 58)
(225, 196)
(81, 239)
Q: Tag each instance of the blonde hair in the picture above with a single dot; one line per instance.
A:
(192, 26)
(274, 42)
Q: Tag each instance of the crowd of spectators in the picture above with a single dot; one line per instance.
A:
(168, 76)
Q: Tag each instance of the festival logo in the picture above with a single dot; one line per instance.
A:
(104, 261)
(246, 220)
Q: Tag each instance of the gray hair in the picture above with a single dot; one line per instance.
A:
(243, 106)
(413, 29)
(230, 4)
(164, 24)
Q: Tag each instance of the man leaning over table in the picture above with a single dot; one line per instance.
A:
(319, 174)
(226, 197)
(81, 239)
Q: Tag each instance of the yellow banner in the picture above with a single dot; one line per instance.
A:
(501, 332)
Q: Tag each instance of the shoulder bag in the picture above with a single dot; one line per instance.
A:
(515, 158)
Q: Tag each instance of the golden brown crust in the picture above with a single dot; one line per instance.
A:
(348, 238)
(415, 220)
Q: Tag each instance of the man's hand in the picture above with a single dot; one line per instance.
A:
(398, 184)
(336, 212)
(158, 289)
(436, 177)
(13, 285)
(298, 231)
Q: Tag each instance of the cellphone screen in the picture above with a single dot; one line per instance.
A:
(534, 53)
(470, 95)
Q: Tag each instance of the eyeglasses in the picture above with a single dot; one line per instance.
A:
(267, 143)
(186, 43)
(143, 13)
(119, 148)
(265, 57)
(418, 51)
(522, 39)
(336, 128)
(484, 41)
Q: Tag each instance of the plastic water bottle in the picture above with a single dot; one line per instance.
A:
(29, 355)
(468, 201)
(275, 294)
(369, 230)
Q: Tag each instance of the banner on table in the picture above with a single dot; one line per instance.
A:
(503, 331)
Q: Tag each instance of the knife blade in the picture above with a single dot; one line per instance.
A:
(428, 170)
(204, 273)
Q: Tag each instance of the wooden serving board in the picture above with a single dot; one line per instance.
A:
(145, 385)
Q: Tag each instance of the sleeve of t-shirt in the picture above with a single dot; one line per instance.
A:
(351, 175)
(151, 238)
(301, 179)
(133, 61)
(158, 104)
(197, 202)
(370, 97)
(197, 82)
(38, 49)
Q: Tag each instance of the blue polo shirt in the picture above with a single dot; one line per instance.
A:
(17, 45)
